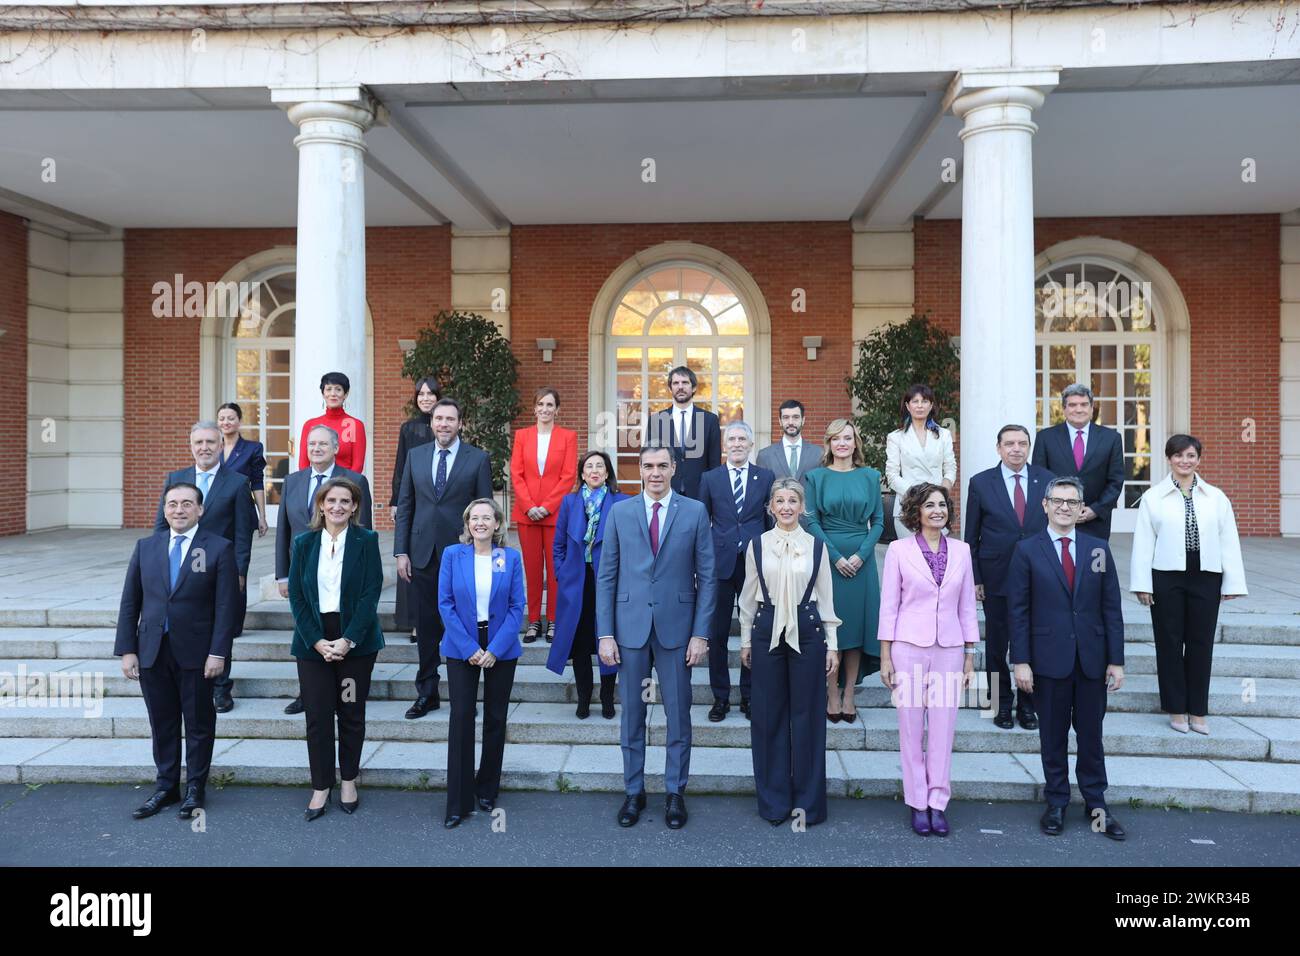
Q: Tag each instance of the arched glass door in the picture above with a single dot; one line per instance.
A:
(675, 314)
(1097, 324)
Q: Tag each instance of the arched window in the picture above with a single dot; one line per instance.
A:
(1099, 323)
(671, 314)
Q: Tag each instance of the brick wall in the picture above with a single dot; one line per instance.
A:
(557, 271)
(13, 370)
(408, 279)
(1227, 268)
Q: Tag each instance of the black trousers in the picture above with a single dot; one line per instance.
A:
(788, 727)
(428, 623)
(334, 690)
(584, 646)
(719, 674)
(1078, 701)
(241, 611)
(997, 642)
(462, 680)
(172, 695)
(1184, 615)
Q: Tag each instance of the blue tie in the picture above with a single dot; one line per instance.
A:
(738, 490)
(205, 482)
(440, 482)
(175, 560)
(311, 501)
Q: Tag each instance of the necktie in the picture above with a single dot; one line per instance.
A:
(738, 490)
(205, 482)
(1020, 501)
(654, 528)
(1078, 448)
(1067, 563)
(794, 460)
(440, 482)
(311, 502)
(174, 560)
(681, 432)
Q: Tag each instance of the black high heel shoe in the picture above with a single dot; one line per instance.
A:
(349, 807)
(309, 814)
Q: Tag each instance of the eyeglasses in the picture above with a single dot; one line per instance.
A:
(1064, 502)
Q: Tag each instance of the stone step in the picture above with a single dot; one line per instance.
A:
(1276, 739)
(1230, 659)
(1189, 782)
(1233, 696)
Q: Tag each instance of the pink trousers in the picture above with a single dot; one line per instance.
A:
(928, 692)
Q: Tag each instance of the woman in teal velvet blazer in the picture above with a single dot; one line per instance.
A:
(335, 577)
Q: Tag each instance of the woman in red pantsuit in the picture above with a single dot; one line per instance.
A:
(543, 468)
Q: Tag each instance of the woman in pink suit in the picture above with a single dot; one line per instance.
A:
(543, 469)
(927, 647)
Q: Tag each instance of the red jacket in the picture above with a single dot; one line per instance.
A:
(547, 490)
(352, 439)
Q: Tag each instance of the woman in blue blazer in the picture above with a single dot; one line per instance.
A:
(335, 577)
(244, 456)
(481, 599)
(579, 531)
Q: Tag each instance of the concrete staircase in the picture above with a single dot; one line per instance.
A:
(1250, 763)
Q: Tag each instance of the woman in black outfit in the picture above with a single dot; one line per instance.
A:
(415, 432)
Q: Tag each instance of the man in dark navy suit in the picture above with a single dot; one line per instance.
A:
(175, 627)
(1002, 509)
(735, 497)
(1067, 645)
(1095, 454)
(227, 514)
(296, 500)
(434, 493)
(691, 433)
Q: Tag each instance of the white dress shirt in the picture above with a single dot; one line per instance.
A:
(198, 480)
(451, 450)
(482, 583)
(1073, 431)
(1008, 479)
(312, 484)
(663, 512)
(1056, 544)
(186, 540)
(543, 446)
(329, 570)
(683, 421)
(744, 480)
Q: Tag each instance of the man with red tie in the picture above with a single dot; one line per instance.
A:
(1003, 508)
(1067, 645)
(1095, 454)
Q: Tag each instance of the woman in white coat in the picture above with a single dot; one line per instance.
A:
(1186, 559)
(918, 450)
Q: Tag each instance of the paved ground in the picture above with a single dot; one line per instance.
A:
(84, 570)
(86, 824)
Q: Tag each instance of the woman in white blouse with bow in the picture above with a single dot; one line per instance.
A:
(787, 637)
(918, 450)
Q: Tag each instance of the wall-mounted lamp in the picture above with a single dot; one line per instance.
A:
(812, 343)
(547, 346)
(406, 346)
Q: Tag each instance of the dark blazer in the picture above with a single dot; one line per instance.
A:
(992, 530)
(773, 458)
(415, 432)
(1102, 473)
(1050, 625)
(570, 556)
(458, 603)
(227, 511)
(249, 459)
(425, 523)
(731, 535)
(200, 613)
(295, 512)
(703, 453)
(363, 579)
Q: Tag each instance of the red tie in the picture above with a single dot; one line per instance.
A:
(1067, 563)
(1020, 501)
(654, 528)
(1078, 449)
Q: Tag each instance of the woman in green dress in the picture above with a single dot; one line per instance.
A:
(846, 512)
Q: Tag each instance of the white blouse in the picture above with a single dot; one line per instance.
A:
(788, 556)
(543, 446)
(482, 583)
(329, 570)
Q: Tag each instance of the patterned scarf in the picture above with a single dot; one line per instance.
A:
(591, 501)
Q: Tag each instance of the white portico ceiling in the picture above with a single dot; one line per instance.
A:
(214, 159)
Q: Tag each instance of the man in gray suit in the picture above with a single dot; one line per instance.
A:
(296, 504)
(431, 501)
(791, 457)
(654, 598)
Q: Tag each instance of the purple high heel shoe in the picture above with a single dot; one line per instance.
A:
(921, 822)
(938, 822)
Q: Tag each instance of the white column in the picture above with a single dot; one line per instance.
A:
(331, 280)
(997, 256)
